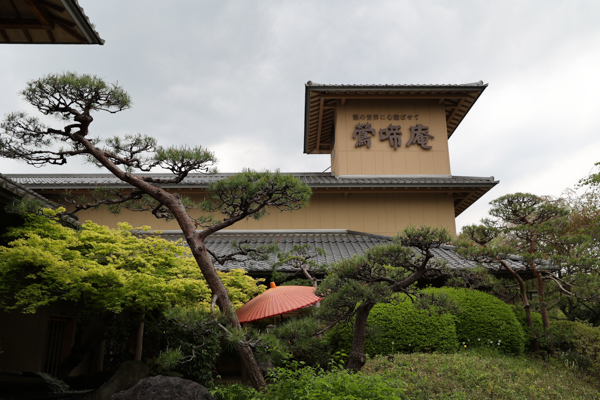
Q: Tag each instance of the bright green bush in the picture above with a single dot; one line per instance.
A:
(400, 327)
(484, 320)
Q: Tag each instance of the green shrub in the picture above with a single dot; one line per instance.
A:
(400, 327)
(306, 383)
(235, 391)
(190, 343)
(538, 326)
(484, 320)
(577, 344)
(299, 382)
(297, 334)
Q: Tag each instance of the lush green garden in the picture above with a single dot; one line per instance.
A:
(380, 332)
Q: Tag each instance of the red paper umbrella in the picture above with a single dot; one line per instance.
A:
(276, 301)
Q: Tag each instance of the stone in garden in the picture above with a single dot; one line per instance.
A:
(165, 388)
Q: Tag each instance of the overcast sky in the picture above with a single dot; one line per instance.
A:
(230, 75)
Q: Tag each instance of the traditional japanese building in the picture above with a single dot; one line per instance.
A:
(390, 168)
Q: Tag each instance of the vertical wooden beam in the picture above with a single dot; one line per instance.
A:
(321, 107)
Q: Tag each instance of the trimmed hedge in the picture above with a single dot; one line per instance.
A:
(399, 327)
(476, 318)
(485, 320)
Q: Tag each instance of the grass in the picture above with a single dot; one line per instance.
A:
(484, 375)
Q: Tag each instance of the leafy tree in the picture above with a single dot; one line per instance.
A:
(102, 272)
(481, 243)
(546, 236)
(575, 285)
(73, 98)
(353, 286)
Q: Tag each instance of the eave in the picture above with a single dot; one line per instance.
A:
(464, 190)
(45, 22)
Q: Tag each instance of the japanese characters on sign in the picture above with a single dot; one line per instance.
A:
(392, 133)
(419, 134)
(383, 117)
(363, 131)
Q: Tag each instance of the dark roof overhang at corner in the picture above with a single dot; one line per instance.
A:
(11, 191)
(338, 244)
(46, 22)
(321, 100)
(465, 190)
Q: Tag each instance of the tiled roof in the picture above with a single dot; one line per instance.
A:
(401, 86)
(312, 179)
(11, 190)
(337, 244)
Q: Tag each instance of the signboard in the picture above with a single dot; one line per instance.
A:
(419, 134)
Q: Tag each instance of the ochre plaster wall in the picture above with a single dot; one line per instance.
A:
(381, 158)
(378, 213)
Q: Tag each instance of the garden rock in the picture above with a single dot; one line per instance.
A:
(165, 388)
(128, 374)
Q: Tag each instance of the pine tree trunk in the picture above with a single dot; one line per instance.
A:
(216, 285)
(196, 243)
(526, 305)
(357, 353)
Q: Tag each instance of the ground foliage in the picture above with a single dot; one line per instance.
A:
(299, 382)
(484, 374)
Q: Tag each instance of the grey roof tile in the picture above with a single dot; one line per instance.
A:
(312, 179)
(337, 246)
(312, 84)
